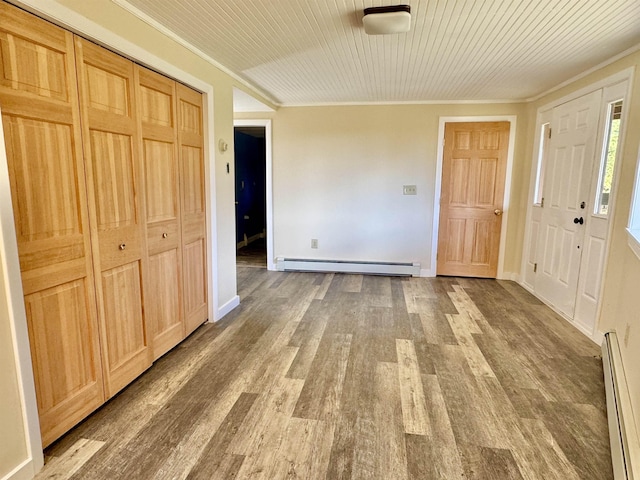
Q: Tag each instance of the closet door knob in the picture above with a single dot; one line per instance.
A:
(165, 235)
(122, 246)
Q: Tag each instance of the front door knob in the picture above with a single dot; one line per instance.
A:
(497, 212)
(578, 220)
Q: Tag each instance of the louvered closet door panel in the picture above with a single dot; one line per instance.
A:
(157, 106)
(194, 254)
(40, 115)
(112, 142)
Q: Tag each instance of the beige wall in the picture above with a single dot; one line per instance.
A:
(621, 301)
(338, 174)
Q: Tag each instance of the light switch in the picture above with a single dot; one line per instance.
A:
(409, 190)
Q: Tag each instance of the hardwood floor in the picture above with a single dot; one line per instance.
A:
(253, 255)
(346, 376)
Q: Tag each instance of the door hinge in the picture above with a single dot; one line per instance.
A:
(542, 202)
(549, 132)
(535, 267)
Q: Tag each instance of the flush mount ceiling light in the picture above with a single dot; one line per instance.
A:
(387, 20)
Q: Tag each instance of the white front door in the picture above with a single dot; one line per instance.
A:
(574, 128)
(599, 212)
(570, 219)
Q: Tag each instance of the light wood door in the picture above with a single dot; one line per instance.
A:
(163, 290)
(40, 115)
(574, 128)
(116, 195)
(194, 255)
(471, 203)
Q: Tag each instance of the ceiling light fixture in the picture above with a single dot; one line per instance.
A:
(387, 20)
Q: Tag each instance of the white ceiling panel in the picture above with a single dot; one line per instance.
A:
(307, 52)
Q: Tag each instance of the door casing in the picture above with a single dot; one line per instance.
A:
(266, 123)
(507, 188)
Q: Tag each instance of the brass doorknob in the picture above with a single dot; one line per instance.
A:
(497, 212)
(122, 246)
(165, 235)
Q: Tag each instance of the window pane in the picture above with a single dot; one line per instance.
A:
(542, 160)
(608, 161)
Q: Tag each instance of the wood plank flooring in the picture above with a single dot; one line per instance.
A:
(358, 377)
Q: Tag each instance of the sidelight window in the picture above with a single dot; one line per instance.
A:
(608, 159)
(543, 148)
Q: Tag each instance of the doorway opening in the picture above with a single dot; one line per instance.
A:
(250, 198)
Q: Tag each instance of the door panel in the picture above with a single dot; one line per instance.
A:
(164, 235)
(122, 311)
(567, 181)
(191, 143)
(165, 311)
(116, 205)
(195, 294)
(113, 173)
(41, 122)
(598, 225)
(474, 168)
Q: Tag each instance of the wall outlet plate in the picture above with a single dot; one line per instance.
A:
(409, 190)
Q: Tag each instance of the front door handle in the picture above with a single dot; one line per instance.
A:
(578, 220)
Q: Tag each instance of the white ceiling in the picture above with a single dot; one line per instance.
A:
(308, 52)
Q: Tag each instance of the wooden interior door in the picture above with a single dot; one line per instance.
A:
(40, 115)
(111, 148)
(191, 143)
(574, 129)
(471, 203)
(157, 104)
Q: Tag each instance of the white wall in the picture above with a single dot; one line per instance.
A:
(338, 174)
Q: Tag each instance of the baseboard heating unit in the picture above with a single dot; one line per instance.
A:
(623, 436)
(345, 266)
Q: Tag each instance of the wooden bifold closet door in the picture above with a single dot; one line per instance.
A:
(114, 184)
(106, 164)
(191, 141)
(158, 103)
(40, 116)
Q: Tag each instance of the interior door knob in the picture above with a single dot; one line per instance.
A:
(497, 212)
(578, 220)
(165, 235)
(122, 246)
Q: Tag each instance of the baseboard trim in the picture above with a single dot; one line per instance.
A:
(24, 471)
(347, 266)
(227, 307)
(623, 436)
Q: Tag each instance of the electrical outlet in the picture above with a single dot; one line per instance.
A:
(409, 190)
(627, 332)
(314, 243)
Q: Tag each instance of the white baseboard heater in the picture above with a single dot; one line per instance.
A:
(623, 436)
(347, 266)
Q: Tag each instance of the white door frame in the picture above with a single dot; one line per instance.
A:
(266, 123)
(624, 75)
(507, 187)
